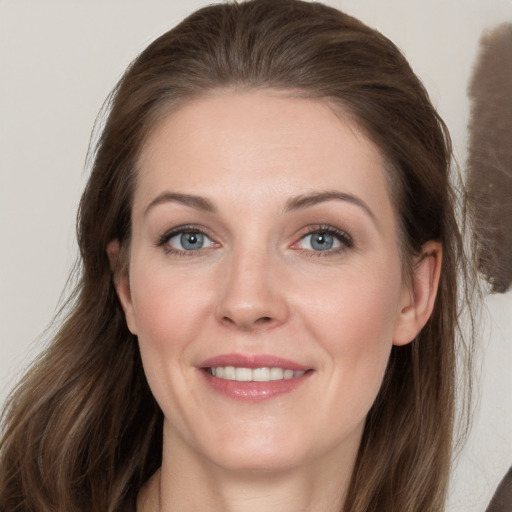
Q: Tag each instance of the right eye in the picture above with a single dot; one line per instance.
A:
(185, 241)
(189, 241)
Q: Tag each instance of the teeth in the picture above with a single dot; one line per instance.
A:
(261, 374)
(288, 374)
(229, 373)
(276, 374)
(242, 374)
(254, 375)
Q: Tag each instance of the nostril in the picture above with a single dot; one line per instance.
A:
(227, 320)
(264, 320)
(248, 323)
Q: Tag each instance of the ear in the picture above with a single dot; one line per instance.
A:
(419, 294)
(121, 283)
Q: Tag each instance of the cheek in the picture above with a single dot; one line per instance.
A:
(166, 303)
(355, 308)
(354, 323)
(167, 309)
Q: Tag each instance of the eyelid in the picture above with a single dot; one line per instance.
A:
(163, 239)
(345, 239)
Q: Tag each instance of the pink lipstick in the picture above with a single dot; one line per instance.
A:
(253, 377)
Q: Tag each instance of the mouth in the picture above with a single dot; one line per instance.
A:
(264, 374)
(253, 377)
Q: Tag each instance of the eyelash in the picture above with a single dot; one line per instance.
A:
(343, 237)
(180, 230)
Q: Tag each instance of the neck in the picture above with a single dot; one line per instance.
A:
(187, 482)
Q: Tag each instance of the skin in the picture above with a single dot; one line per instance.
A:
(258, 286)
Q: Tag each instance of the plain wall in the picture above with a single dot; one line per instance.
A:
(59, 60)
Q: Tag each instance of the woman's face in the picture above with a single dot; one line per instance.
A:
(264, 279)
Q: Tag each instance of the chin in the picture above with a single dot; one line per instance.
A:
(274, 460)
(257, 449)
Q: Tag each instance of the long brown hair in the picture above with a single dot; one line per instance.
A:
(83, 431)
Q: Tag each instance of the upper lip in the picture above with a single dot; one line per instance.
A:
(252, 361)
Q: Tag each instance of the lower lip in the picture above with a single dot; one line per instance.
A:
(254, 391)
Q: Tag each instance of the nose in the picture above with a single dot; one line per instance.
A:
(252, 293)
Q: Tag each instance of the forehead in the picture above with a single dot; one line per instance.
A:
(257, 146)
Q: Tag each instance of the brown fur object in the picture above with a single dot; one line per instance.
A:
(502, 499)
(490, 156)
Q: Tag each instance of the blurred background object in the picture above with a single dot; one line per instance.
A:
(489, 162)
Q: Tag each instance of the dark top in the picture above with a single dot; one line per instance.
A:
(502, 499)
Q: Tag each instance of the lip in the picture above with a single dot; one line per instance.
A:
(252, 361)
(253, 391)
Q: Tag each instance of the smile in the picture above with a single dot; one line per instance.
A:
(253, 377)
(264, 374)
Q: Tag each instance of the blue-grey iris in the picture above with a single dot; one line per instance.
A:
(321, 241)
(191, 241)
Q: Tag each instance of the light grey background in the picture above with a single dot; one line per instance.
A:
(59, 60)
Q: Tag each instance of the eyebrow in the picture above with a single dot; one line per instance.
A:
(196, 202)
(295, 203)
(307, 200)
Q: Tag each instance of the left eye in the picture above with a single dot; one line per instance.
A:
(190, 241)
(320, 242)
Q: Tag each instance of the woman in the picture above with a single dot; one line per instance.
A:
(267, 312)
